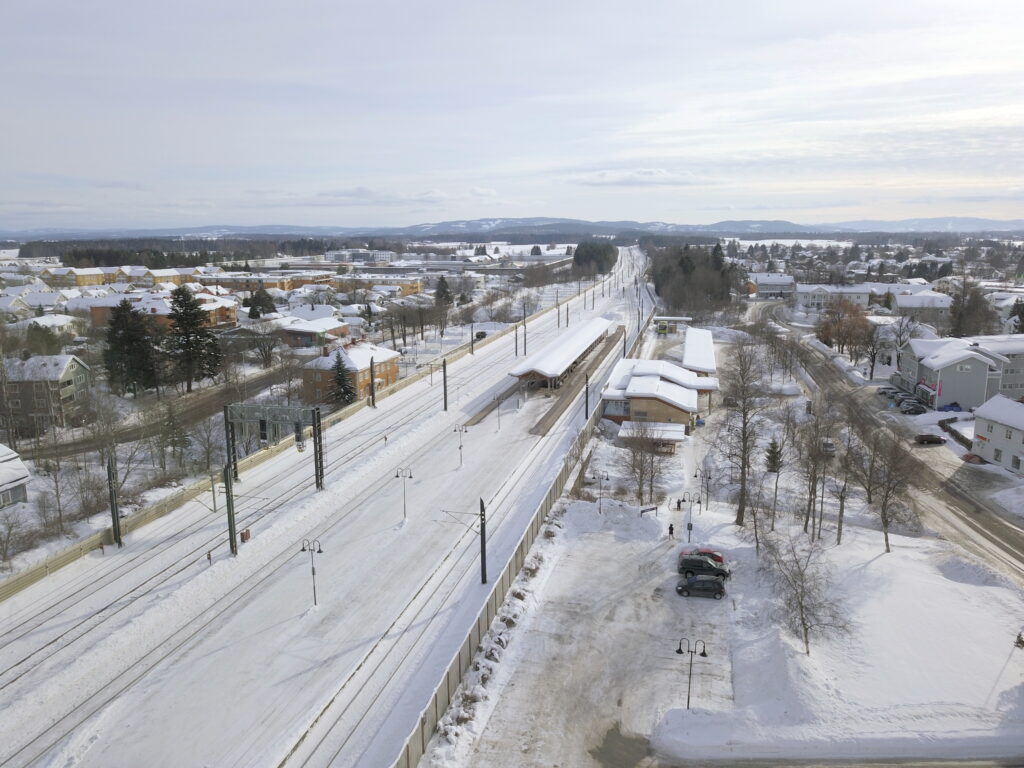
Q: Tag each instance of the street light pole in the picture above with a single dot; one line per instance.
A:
(601, 477)
(691, 651)
(406, 474)
(690, 497)
(461, 429)
(313, 547)
(705, 481)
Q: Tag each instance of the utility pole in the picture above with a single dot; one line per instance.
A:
(471, 339)
(524, 330)
(318, 449)
(231, 448)
(115, 511)
(229, 500)
(586, 407)
(517, 339)
(444, 378)
(483, 543)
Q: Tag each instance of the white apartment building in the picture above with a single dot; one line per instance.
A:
(999, 433)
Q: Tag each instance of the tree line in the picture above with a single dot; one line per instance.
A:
(693, 279)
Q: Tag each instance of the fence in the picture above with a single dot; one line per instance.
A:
(416, 744)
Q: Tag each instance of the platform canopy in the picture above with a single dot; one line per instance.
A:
(555, 359)
(699, 351)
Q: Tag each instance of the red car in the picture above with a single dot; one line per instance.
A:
(718, 557)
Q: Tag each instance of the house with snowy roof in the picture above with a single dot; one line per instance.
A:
(318, 374)
(314, 333)
(14, 478)
(59, 324)
(771, 285)
(42, 391)
(13, 308)
(653, 391)
(999, 432)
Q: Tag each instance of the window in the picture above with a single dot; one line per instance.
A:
(988, 428)
(1015, 462)
(6, 497)
(997, 455)
(1009, 434)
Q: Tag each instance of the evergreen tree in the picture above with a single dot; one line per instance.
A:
(254, 312)
(190, 344)
(1018, 312)
(130, 357)
(773, 463)
(343, 391)
(442, 293)
(263, 301)
(535, 251)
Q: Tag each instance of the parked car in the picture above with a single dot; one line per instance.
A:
(701, 586)
(913, 410)
(480, 335)
(927, 439)
(699, 565)
(828, 447)
(894, 395)
(718, 557)
(902, 397)
(729, 402)
(887, 391)
(951, 408)
(913, 403)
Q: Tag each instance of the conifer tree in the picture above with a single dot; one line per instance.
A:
(343, 391)
(130, 357)
(442, 293)
(191, 345)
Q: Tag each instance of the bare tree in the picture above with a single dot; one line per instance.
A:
(640, 462)
(291, 370)
(265, 340)
(902, 331)
(893, 477)
(800, 571)
(11, 529)
(741, 381)
(208, 437)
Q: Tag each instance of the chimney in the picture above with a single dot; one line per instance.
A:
(326, 351)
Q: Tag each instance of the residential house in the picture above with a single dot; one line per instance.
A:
(318, 374)
(13, 308)
(14, 478)
(999, 432)
(817, 297)
(314, 333)
(772, 285)
(653, 391)
(42, 391)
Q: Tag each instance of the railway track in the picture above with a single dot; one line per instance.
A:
(59, 730)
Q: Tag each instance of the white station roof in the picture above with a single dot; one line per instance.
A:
(699, 351)
(555, 358)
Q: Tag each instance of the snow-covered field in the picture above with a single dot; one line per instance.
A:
(927, 668)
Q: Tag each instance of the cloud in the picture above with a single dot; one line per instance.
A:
(483, 192)
(635, 177)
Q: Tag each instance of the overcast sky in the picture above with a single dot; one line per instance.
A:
(188, 113)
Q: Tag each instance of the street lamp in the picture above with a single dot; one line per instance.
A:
(461, 429)
(313, 547)
(406, 474)
(690, 496)
(691, 651)
(602, 478)
(498, 401)
(705, 482)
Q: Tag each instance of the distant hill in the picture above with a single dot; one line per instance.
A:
(540, 226)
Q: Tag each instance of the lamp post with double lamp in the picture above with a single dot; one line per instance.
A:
(691, 651)
(461, 429)
(690, 496)
(705, 482)
(313, 547)
(602, 478)
(406, 474)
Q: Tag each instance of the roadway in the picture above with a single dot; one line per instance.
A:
(153, 655)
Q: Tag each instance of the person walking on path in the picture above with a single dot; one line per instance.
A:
(671, 531)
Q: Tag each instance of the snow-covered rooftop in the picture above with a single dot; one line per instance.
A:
(39, 368)
(665, 391)
(1002, 410)
(553, 360)
(699, 351)
(628, 367)
(657, 430)
(13, 471)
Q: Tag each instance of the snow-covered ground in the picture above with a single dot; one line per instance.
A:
(225, 661)
(927, 668)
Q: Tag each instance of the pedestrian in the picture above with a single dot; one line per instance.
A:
(385, 441)
(102, 551)
(209, 557)
(671, 531)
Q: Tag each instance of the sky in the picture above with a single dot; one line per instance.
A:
(385, 113)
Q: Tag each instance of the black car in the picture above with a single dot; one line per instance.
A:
(698, 565)
(928, 439)
(480, 335)
(701, 586)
